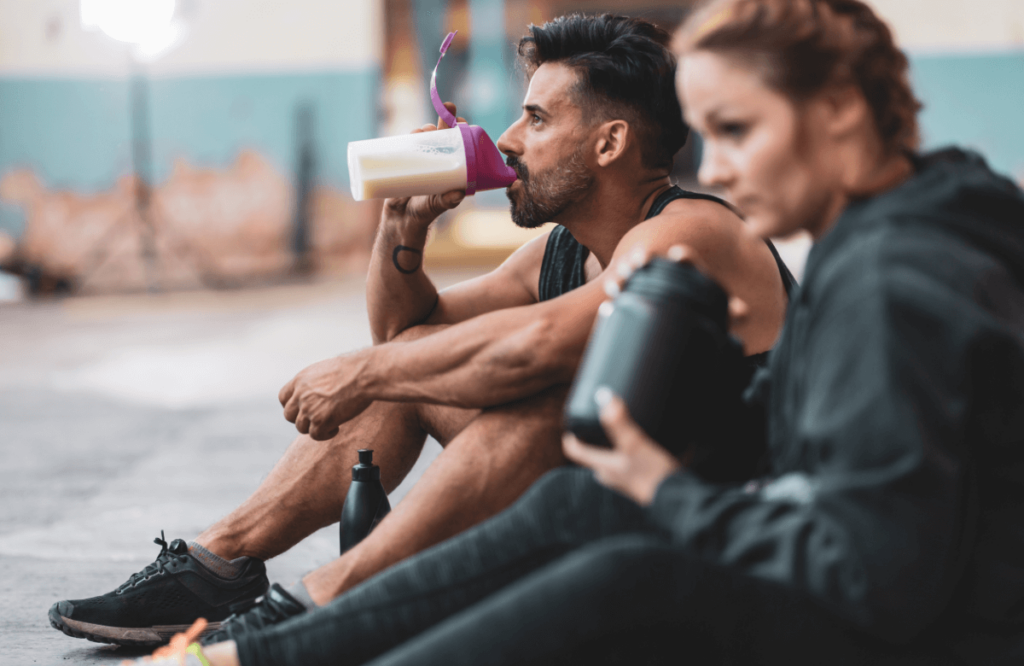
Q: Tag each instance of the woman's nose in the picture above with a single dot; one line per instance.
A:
(714, 170)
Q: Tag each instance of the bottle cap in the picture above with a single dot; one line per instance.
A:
(485, 168)
(365, 470)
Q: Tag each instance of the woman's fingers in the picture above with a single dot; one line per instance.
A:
(739, 310)
(679, 253)
(593, 457)
(638, 258)
(619, 426)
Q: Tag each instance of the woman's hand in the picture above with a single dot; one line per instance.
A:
(635, 465)
(738, 309)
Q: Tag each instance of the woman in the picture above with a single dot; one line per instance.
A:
(891, 529)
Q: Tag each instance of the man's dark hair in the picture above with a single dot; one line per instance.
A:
(625, 70)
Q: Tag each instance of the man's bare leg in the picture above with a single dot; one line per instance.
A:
(482, 470)
(306, 488)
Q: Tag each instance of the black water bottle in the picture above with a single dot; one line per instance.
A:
(662, 346)
(365, 504)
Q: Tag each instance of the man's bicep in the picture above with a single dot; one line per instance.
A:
(512, 284)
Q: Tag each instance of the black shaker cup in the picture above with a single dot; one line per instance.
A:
(365, 504)
(662, 346)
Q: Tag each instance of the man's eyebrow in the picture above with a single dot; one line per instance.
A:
(535, 108)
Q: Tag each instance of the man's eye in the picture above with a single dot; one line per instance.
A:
(535, 119)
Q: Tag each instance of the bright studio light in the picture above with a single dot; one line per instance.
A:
(147, 24)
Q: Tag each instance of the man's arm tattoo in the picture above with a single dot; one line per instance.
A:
(403, 248)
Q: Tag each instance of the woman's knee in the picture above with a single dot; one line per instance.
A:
(560, 486)
(574, 504)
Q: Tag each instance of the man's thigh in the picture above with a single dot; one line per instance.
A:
(538, 414)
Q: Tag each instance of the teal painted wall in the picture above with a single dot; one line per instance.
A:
(975, 101)
(72, 133)
(75, 134)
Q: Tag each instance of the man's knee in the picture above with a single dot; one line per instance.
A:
(546, 405)
(534, 418)
(442, 422)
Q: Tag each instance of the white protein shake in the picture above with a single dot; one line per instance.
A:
(407, 165)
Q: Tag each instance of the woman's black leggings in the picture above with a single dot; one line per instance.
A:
(571, 573)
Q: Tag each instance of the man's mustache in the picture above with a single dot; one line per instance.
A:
(518, 166)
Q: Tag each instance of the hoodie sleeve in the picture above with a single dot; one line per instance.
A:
(869, 519)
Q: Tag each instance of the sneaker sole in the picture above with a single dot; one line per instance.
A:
(127, 636)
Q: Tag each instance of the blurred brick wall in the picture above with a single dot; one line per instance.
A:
(225, 227)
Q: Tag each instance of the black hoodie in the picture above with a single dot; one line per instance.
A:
(895, 412)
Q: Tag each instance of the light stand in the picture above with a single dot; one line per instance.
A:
(143, 217)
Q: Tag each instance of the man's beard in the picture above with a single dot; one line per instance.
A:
(544, 196)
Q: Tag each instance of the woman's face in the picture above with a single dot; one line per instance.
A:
(766, 152)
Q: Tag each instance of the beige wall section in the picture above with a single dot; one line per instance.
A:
(955, 25)
(45, 38)
(269, 35)
(40, 37)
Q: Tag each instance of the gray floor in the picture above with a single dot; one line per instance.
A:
(123, 416)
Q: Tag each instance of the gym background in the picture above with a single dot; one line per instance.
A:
(235, 115)
(177, 241)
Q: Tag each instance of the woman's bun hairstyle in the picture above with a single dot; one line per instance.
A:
(802, 47)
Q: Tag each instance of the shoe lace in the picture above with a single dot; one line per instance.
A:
(178, 645)
(153, 568)
(257, 614)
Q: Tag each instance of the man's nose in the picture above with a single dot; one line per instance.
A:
(508, 143)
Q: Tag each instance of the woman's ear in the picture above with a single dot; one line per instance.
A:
(846, 110)
(613, 137)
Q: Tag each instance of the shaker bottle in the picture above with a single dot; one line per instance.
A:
(662, 346)
(462, 157)
(365, 504)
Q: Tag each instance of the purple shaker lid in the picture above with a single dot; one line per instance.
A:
(485, 167)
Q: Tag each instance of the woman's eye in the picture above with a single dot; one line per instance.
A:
(733, 130)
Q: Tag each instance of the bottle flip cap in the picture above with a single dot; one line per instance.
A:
(485, 167)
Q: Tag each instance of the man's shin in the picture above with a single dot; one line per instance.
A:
(481, 472)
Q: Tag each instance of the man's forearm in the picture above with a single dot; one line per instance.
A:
(398, 293)
(490, 360)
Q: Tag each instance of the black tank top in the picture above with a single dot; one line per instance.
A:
(562, 268)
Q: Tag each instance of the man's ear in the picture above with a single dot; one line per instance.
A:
(613, 137)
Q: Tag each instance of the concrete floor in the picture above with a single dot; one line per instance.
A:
(124, 416)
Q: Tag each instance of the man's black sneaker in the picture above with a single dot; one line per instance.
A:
(274, 607)
(163, 599)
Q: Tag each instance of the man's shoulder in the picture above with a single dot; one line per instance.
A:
(697, 221)
(696, 210)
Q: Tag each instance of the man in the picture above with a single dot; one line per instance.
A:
(483, 366)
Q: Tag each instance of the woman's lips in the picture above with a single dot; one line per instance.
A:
(744, 203)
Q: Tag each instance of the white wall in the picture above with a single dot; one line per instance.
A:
(44, 38)
(929, 26)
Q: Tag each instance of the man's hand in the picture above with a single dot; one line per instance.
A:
(325, 395)
(420, 211)
(635, 466)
